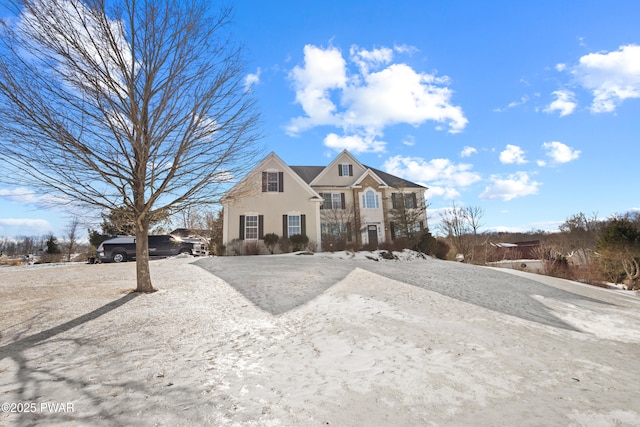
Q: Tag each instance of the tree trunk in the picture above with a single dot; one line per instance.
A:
(632, 269)
(143, 272)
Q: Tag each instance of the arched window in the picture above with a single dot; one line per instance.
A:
(370, 200)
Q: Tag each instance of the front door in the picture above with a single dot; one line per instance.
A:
(373, 235)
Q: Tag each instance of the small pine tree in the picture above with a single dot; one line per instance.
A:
(427, 244)
(52, 245)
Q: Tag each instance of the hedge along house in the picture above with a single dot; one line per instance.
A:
(345, 201)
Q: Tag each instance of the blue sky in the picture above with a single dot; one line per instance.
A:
(528, 110)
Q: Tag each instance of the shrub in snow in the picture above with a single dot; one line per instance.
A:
(270, 241)
(299, 242)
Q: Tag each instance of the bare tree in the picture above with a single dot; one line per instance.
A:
(631, 267)
(337, 224)
(72, 237)
(407, 214)
(461, 226)
(192, 218)
(139, 105)
(580, 234)
(474, 215)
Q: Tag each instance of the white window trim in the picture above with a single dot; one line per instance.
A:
(299, 226)
(334, 200)
(376, 199)
(277, 181)
(247, 228)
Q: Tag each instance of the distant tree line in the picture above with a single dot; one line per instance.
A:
(584, 248)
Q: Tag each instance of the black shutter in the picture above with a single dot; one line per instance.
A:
(392, 227)
(394, 200)
(415, 200)
(350, 170)
(339, 170)
(264, 182)
(322, 205)
(421, 225)
(342, 201)
(285, 227)
(241, 234)
(303, 225)
(349, 232)
(260, 227)
(280, 182)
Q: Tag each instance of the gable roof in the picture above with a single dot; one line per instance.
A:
(310, 173)
(368, 172)
(394, 181)
(344, 155)
(286, 168)
(307, 173)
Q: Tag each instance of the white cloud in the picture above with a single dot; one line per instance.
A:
(377, 94)
(565, 103)
(523, 100)
(398, 94)
(559, 152)
(404, 48)
(409, 141)
(468, 151)
(515, 185)
(612, 77)
(561, 67)
(366, 59)
(512, 154)
(324, 70)
(440, 175)
(26, 226)
(252, 80)
(444, 192)
(354, 143)
(20, 195)
(25, 196)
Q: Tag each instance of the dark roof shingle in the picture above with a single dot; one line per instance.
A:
(309, 173)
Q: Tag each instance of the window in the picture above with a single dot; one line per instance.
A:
(370, 200)
(272, 182)
(251, 227)
(295, 226)
(408, 230)
(336, 201)
(334, 229)
(333, 201)
(345, 170)
(409, 200)
(327, 201)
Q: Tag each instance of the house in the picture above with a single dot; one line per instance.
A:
(344, 203)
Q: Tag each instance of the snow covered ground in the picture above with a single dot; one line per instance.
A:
(324, 339)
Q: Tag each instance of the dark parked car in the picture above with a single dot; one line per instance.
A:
(123, 248)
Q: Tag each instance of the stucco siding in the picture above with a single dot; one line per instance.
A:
(250, 199)
(273, 190)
